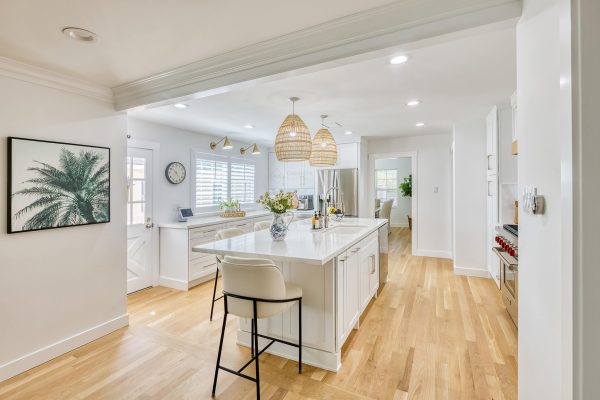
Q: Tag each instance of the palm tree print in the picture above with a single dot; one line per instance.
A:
(75, 193)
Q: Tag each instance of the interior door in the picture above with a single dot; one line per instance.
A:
(139, 219)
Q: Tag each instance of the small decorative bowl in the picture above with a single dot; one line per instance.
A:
(337, 217)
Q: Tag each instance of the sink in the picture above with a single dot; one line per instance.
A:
(347, 229)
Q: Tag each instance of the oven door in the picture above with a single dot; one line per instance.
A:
(509, 275)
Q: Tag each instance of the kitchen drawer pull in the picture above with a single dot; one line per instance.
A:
(356, 250)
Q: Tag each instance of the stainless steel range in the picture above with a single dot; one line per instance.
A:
(508, 253)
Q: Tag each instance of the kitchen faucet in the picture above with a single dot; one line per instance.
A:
(328, 204)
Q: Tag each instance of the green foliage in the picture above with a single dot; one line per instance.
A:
(406, 187)
(77, 192)
(229, 204)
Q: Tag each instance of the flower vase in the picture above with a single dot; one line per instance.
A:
(279, 227)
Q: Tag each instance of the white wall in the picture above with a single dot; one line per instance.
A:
(544, 283)
(176, 145)
(403, 208)
(60, 288)
(434, 210)
(470, 198)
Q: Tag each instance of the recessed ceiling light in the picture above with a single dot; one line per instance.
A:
(248, 126)
(180, 105)
(413, 103)
(348, 132)
(81, 35)
(420, 124)
(398, 60)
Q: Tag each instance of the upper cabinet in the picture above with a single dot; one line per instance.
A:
(515, 139)
(491, 129)
(290, 175)
(347, 156)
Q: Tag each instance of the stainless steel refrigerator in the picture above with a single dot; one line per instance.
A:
(345, 196)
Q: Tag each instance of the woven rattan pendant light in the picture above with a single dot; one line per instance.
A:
(324, 148)
(292, 142)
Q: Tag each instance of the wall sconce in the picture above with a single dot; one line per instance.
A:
(255, 149)
(226, 144)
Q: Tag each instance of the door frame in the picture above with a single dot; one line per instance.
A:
(155, 148)
(413, 155)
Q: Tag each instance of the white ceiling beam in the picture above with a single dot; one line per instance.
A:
(375, 29)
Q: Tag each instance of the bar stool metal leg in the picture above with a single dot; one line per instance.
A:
(220, 350)
(255, 338)
(212, 306)
(300, 336)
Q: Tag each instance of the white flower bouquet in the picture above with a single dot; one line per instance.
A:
(280, 203)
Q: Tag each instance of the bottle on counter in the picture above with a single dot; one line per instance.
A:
(314, 220)
(319, 220)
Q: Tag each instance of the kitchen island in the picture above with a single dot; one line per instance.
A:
(338, 270)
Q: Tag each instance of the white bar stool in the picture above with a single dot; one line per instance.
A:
(254, 288)
(222, 234)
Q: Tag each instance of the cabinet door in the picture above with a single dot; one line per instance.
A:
(374, 269)
(492, 221)
(365, 267)
(293, 175)
(308, 176)
(491, 130)
(347, 155)
(276, 173)
(351, 292)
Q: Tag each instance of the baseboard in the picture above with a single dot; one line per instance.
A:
(54, 350)
(479, 272)
(173, 283)
(433, 253)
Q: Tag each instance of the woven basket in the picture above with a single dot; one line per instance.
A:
(296, 147)
(232, 214)
(324, 149)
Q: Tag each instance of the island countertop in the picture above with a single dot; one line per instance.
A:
(302, 243)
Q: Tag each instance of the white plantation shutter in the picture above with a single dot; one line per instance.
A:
(242, 180)
(211, 183)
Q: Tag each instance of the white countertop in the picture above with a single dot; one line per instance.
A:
(197, 222)
(301, 244)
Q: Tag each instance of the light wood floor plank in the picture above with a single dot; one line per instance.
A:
(429, 335)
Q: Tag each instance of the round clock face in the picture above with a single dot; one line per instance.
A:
(175, 172)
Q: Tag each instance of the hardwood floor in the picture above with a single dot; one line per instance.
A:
(429, 335)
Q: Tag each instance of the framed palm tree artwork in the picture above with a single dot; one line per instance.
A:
(56, 185)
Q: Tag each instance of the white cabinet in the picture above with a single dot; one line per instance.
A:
(492, 221)
(276, 173)
(347, 155)
(290, 175)
(357, 283)
(180, 267)
(491, 129)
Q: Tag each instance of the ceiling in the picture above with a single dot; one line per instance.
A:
(455, 79)
(135, 35)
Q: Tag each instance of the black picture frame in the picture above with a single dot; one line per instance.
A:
(10, 187)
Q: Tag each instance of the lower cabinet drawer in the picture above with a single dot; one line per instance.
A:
(202, 267)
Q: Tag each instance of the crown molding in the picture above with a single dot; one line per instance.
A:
(28, 73)
(375, 29)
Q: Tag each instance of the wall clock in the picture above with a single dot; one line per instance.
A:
(175, 172)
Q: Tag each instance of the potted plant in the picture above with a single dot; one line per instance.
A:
(406, 191)
(232, 205)
(279, 204)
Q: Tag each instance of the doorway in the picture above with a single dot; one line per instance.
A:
(393, 179)
(140, 225)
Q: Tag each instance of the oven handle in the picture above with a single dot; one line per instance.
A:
(512, 265)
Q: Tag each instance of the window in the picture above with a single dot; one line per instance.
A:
(219, 178)
(211, 180)
(136, 192)
(386, 184)
(242, 181)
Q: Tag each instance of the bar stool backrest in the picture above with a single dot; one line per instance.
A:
(260, 225)
(254, 278)
(226, 234)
